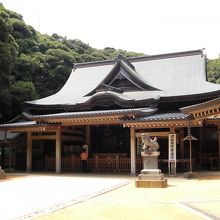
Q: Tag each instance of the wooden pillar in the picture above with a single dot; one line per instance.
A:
(88, 137)
(219, 146)
(133, 151)
(201, 140)
(58, 150)
(172, 130)
(181, 146)
(29, 152)
(14, 154)
(181, 136)
(2, 162)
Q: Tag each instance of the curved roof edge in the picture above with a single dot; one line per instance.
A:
(191, 97)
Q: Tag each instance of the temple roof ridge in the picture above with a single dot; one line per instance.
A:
(140, 58)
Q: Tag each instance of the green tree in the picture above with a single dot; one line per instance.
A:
(213, 69)
(8, 49)
(8, 55)
(37, 63)
(20, 92)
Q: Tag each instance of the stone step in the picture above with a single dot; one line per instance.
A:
(151, 171)
(151, 176)
(151, 183)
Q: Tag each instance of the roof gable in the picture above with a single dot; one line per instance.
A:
(123, 78)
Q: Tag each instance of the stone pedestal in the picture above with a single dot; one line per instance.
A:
(150, 161)
(2, 174)
(151, 176)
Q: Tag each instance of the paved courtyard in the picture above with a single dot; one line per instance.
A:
(103, 197)
(26, 196)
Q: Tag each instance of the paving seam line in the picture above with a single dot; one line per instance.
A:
(197, 211)
(66, 204)
(202, 201)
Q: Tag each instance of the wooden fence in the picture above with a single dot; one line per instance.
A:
(95, 164)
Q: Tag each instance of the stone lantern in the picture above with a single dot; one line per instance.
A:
(150, 176)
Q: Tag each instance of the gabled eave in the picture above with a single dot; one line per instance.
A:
(125, 68)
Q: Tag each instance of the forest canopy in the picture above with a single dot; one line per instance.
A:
(35, 65)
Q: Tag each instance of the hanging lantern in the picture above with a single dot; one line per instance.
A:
(190, 138)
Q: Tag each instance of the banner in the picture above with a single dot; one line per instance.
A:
(172, 148)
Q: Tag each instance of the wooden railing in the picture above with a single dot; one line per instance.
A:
(110, 163)
(49, 163)
(115, 163)
(205, 158)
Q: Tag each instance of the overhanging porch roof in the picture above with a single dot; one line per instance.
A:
(141, 117)
(27, 126)
(163, 120)
(204, 110)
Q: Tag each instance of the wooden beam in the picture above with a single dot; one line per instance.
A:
(26, 129)
(205, 113)
(44, 137)
(72, 138)
(32, 129)
(154, 134)
(72, 131)
(163, 124)
(214, 121)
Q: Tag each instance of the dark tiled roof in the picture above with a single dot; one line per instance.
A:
(32, 124)
(9, 135)
(165, 117)
(96, 113)
(20, 118)
(19, 124)
(148, 115)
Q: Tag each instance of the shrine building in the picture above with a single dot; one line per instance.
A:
(107, 105)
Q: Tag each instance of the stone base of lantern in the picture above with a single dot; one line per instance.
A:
(151, 178)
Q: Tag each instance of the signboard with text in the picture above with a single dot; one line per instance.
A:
(172, 147)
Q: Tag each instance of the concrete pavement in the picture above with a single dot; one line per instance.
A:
(26, 196)
(107, 197)
(182, 199)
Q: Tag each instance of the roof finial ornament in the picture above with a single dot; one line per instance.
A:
(202, 51)
(120, 58)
